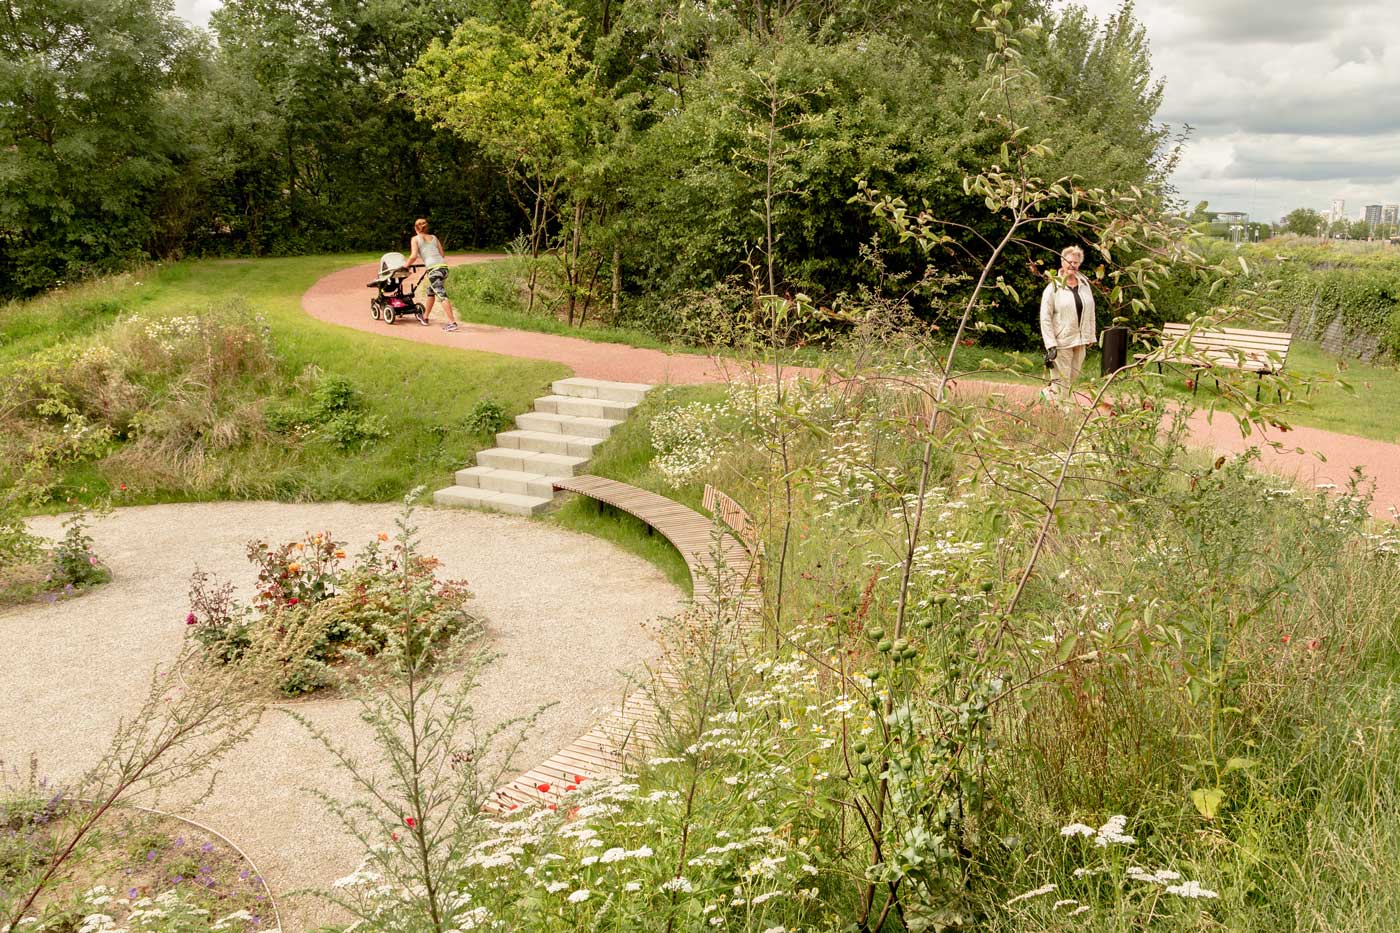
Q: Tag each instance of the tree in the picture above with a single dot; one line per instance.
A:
(1304, 221)
(89, 138)
(528, 99)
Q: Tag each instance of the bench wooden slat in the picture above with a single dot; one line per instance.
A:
(1261, 351)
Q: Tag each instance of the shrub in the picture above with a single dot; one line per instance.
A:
(75, 564)
(316, 616)
(334, 412)
(157, 396)
(487, 417)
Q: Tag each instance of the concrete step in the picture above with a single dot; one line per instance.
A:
(528, 461)
(515, 481)
(491, 500)
(565, 424)
(547, 443)
(579, 387)
(584, 407)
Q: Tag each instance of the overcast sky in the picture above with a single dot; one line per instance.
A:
(1294, 102)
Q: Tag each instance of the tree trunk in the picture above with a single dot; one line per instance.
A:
(616, 283)
(572, 270)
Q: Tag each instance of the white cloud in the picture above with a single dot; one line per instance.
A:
(1292, 101)
(196, 11)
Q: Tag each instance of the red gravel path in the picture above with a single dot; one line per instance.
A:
(342, 298)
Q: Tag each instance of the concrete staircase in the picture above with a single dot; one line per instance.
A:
(556, 439)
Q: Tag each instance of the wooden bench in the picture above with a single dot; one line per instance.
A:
(715, 561)
(1256, 351)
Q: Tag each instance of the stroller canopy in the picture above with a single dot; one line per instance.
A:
(390, 263)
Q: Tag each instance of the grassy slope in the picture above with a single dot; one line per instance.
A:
(422, 392)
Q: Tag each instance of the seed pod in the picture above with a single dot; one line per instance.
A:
(884, 646)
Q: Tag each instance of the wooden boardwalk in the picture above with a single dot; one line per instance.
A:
(721, 557)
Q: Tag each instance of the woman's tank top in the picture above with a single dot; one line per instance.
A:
(431, 250)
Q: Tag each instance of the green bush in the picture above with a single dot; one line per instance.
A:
(334, 412)
(486, 418)
(313, 616)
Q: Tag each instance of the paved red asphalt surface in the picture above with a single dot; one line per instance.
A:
(342, 298)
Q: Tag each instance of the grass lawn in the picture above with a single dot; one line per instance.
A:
(1367, 404)
(478, 295)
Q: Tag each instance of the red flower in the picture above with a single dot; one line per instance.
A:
(293, 601)
(542, 788)
(1314, 644)
(1287, 639)
(553, 806)
(190, 619)
(394, 836)
(514, 806)
(569, 788)
(578, 778)
(121, 486)
(968, 342)
(410, 822)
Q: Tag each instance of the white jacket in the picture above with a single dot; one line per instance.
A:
(1060, 324)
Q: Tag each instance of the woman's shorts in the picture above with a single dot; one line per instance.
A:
(437, 282)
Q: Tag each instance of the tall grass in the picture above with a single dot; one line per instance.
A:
(174, 434)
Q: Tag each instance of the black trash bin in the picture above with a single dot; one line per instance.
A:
(1115, 349)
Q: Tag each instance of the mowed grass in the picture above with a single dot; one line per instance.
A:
(423, 393)
(1360, 399)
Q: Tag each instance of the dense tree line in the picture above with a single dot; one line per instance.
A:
(650, 148)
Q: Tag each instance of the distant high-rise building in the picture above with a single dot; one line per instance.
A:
(1390, 214)
(1339, 210)
(1371, 214)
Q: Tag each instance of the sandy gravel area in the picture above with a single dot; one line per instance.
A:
(567, 612)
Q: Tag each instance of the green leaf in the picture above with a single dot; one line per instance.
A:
(1208, 800)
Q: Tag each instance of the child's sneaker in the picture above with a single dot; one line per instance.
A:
(423, 320)
(450, 327)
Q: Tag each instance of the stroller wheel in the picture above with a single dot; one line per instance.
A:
(388, 315)
(376, 309)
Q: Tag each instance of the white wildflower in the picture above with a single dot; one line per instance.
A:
(1037, 892)
(579, 896)
(1191, 889)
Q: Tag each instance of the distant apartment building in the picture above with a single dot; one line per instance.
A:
(1339, 210)
(1371, 214)
(1390, 214)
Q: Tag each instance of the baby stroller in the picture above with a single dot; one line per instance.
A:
(393, 302)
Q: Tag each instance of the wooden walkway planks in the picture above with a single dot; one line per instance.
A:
(633, 729)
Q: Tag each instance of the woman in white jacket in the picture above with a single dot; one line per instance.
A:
(1067, 323)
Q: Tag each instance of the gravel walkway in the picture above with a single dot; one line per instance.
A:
(70, 669)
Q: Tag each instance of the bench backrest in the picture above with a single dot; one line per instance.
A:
(1254, 344)
(733, 516)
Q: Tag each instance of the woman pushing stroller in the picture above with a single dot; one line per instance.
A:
(427, 249)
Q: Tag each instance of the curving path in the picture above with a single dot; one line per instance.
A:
(1326, 457)
(342, 298)
(71, 669)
